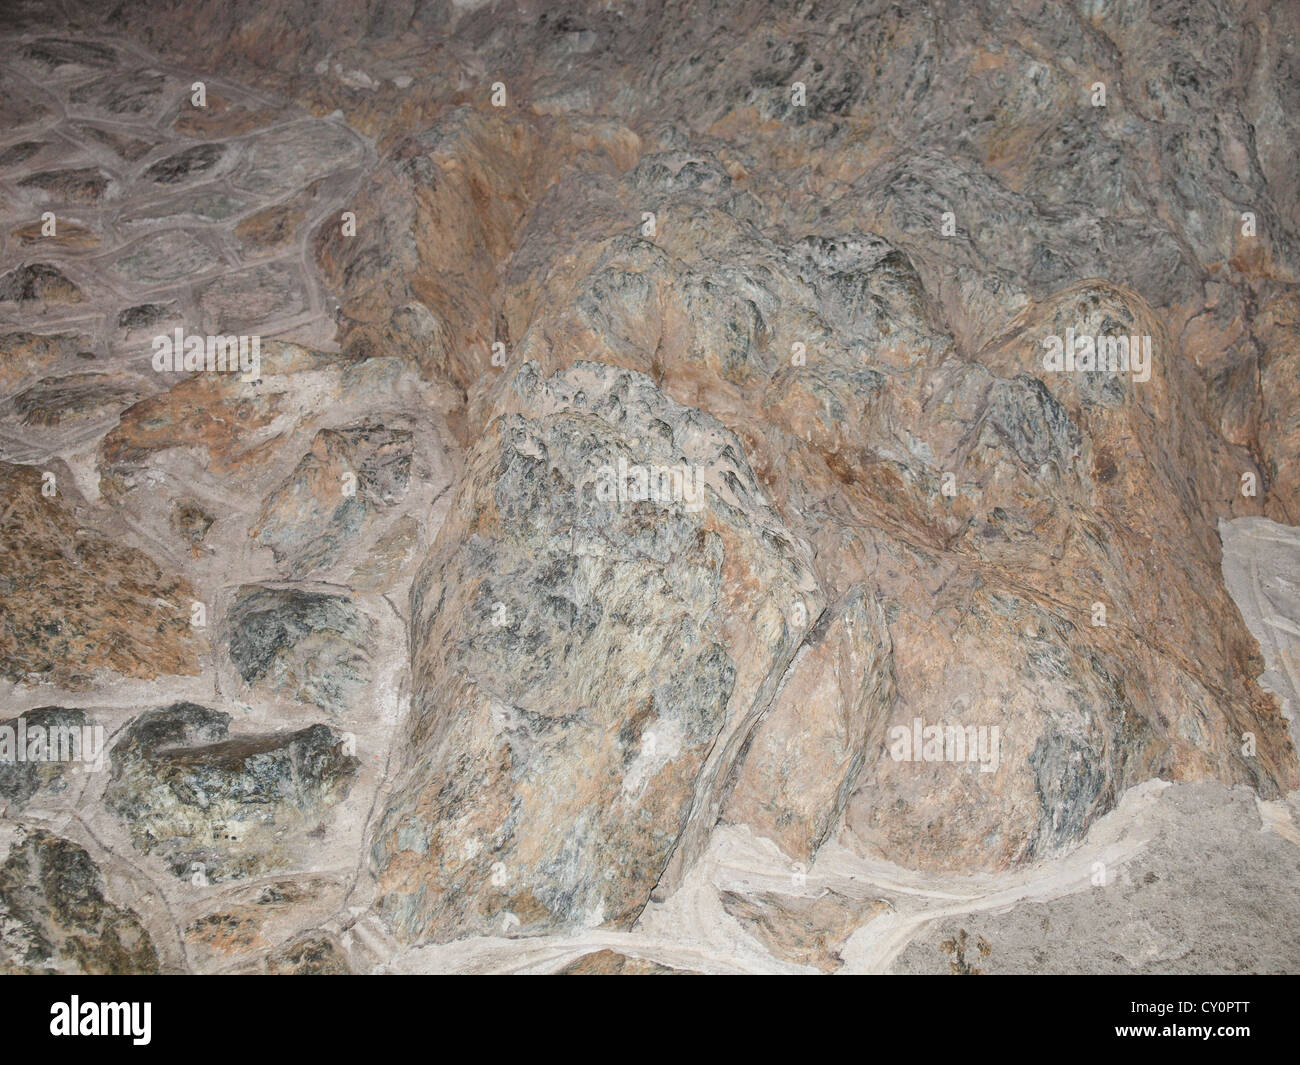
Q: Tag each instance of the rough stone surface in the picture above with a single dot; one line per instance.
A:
(36, 732)
(217, 806)
(103, 605)
(645, 638)
(652, 536)
(311, 648)
(1153, 916)
(807, 756)
(55, 917)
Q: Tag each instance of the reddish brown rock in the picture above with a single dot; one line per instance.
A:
(104, 606)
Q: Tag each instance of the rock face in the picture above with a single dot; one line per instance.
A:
(1145, 921)
(614, 609)
(310, 648)
(334, 494)
(99, 605)
(56, 918)
(222, 806)
(808, 754)
(36, 731)
(696, 486)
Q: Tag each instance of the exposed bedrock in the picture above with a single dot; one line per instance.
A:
(588, 664)
(680, 431)
(1029, 558)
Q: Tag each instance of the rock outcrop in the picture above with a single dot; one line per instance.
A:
(646, 488)
(607, 613)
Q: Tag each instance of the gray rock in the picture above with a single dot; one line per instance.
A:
(39, 285)
(62, 732)
(331, 501)
(62, 55)
(135, 93)
(251, 301)
(313, 954)
(289, 158)
(183, 165)
(215, 807)
(303, 646)
(17, 154)
(144, 315)
(85, 185)
(55, 916)
(165, 257)
(581, 700)
(57, 401)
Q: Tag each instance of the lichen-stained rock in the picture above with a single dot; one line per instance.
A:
(136, 93)
(287, 158)
(845, 231)
(191, 521)
(388, 556)
(232, 423)
(55, 916)
(103, 605)
(70, 236)
(204, 204)
(17, 154)
(218, 807)
(62, 56)
(270, 230)
(464, 180)
(438, 220)
(20, 107)
(200, 160)
(258, 456)
(301, 646)
(807, 755)
(250, 921)
(252, 300)
(166, 257)
(333, 497)
(588, 660)
(1279, 417)
(128, 147)
(58, 402)
(1012, 742)
(220, 117)
(86, 185)
(905, 461)
(141, 319)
